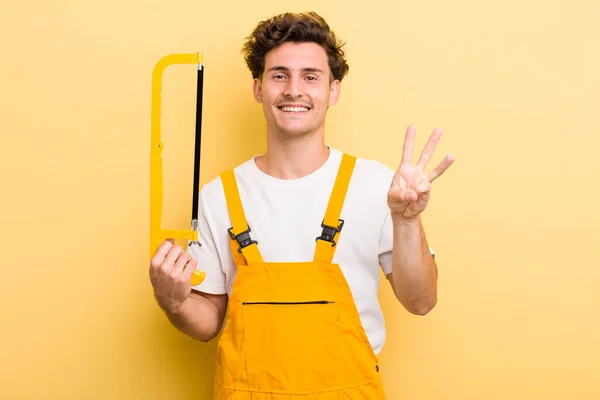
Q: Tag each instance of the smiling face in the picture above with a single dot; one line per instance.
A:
(296, 89)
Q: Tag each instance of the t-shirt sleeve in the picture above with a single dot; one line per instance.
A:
(207, 254)
(386, 244)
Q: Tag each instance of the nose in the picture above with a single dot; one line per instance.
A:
(293, 88)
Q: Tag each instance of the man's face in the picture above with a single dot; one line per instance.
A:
(295, 89)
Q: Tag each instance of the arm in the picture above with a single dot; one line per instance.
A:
(414, 271)
(200, 316)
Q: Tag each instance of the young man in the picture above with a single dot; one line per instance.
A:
(291, 241)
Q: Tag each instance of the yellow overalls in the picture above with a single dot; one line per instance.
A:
(293, 330)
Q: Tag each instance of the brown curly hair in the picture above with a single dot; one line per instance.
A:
(293, 27)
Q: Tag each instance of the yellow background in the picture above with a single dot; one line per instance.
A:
(514, 84)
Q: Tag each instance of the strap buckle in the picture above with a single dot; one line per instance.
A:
(243, 238)
(329, 232)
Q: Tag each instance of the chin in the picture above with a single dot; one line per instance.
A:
(294, 133)
(292, 129)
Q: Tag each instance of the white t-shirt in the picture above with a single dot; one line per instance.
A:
(285, 217)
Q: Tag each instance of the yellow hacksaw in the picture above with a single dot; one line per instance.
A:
(157, 234)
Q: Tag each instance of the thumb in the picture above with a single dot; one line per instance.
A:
(400, 195)
(409, 195)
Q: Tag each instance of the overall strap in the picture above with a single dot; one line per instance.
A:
(239, 233)
(332, 224)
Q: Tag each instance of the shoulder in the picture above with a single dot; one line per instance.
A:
(375, 169)
(212, 191)
(371, 172)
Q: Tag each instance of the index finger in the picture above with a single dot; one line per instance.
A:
(162, 251)
(409, 142)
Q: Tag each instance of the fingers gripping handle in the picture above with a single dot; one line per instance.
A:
(157, 233)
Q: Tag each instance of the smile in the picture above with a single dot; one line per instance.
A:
(294, 109)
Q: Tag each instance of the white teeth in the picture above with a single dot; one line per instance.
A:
(294, 109)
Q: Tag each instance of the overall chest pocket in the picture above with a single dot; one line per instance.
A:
(292, 345)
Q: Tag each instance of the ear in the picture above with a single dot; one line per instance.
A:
(257, 89)
(334, 92)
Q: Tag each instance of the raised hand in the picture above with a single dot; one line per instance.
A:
(410, 189)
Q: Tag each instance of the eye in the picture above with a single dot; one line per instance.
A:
(279, 76)
(311, 78)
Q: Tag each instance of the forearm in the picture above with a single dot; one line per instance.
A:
(414, 271)
(197, 317)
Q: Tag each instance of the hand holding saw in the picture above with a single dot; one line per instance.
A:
(157, 233)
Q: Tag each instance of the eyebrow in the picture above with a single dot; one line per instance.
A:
(286, 69)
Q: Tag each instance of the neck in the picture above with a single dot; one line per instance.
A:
(293, 158)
